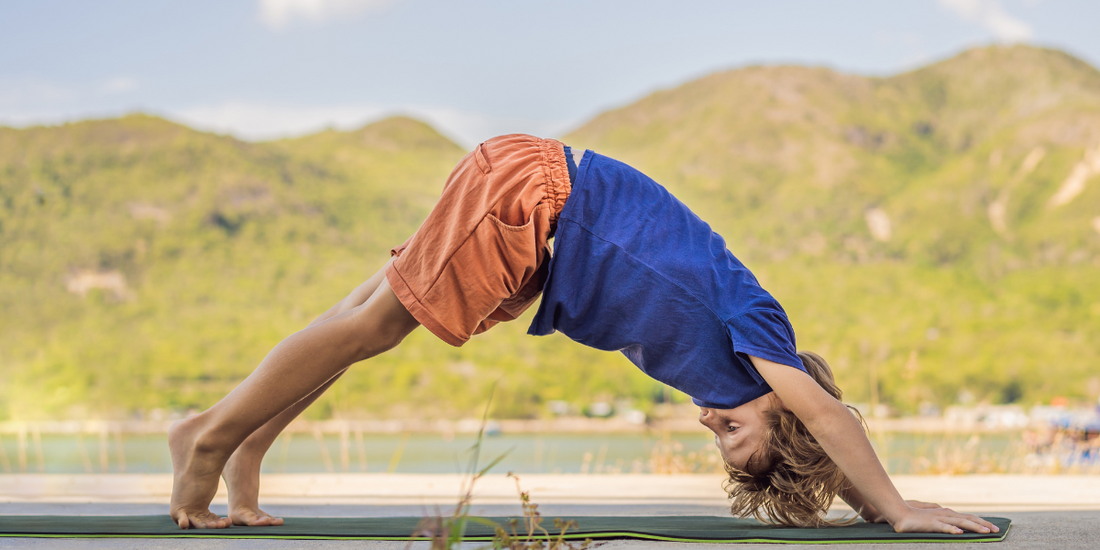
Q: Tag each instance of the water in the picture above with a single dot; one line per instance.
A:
(434, 453)
(907, 453)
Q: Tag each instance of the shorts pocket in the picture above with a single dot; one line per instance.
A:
(510, 250)
(490, 267)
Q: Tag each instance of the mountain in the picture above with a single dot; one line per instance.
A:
(934, 234)
(821, 149)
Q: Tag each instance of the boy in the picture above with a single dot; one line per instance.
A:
(633, 270)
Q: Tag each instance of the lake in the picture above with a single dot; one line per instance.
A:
(903, 453)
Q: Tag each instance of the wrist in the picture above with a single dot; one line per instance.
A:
(896, 513)
(870, 515)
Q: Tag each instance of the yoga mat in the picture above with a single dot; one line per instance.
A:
(666, 528)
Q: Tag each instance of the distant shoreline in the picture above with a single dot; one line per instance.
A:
(968, 492)
(578, 425)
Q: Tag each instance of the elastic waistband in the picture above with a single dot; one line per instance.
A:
(558, 182)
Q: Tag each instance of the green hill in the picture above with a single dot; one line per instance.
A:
(935, 234)
(145, 265)
(978, 280)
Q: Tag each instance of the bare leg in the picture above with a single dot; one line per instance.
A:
(242, 471)
(303, 362)
(357, 297)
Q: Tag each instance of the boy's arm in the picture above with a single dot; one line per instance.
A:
(855, 499)
(852, 497)
(842, 437)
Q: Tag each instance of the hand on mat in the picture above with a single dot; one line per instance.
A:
(877, 517)
(941, 520)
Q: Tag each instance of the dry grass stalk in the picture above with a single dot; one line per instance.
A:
(447, 532)
(534, 536)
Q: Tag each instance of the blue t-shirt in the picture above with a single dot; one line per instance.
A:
(635, 270)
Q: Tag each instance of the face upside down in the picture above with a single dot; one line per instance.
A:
(777, 471)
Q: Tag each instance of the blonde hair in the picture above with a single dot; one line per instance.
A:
(790, 480)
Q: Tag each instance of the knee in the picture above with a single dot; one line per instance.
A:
(369, 343)
(390, 336)
(376, 334)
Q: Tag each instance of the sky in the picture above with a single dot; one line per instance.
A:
(264, 69)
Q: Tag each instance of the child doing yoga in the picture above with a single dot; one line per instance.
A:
(632, 270)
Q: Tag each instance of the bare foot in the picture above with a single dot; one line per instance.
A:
(242, 477)
(195, 474)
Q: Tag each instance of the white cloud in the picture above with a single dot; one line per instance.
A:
(27, 101)
(898, 38)
(20, 97)
(277, 14)
(262, 121)
(259, 121)
(469, 128)
(992, 17)
(119, 84)
(23, 92)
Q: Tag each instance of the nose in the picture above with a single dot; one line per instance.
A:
(704, 415)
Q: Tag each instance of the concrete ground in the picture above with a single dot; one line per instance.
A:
(1055, 512)
(1054, 530)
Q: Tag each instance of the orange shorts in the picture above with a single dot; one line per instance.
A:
(482, 254)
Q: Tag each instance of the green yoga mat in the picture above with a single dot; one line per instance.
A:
(666, 528)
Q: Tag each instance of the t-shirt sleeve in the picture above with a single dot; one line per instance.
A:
(765, 333)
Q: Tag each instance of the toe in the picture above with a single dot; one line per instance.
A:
(248, 517)
(240, 517)
(255, 518)
(259, 521)
(271, 520)
(208, 521)
(183, 521)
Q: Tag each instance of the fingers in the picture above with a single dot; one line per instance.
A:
(968, 522)
(943, 520)
(978, 525)
(987, 526)
(949, 528)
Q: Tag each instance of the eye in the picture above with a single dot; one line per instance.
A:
(731, 428)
